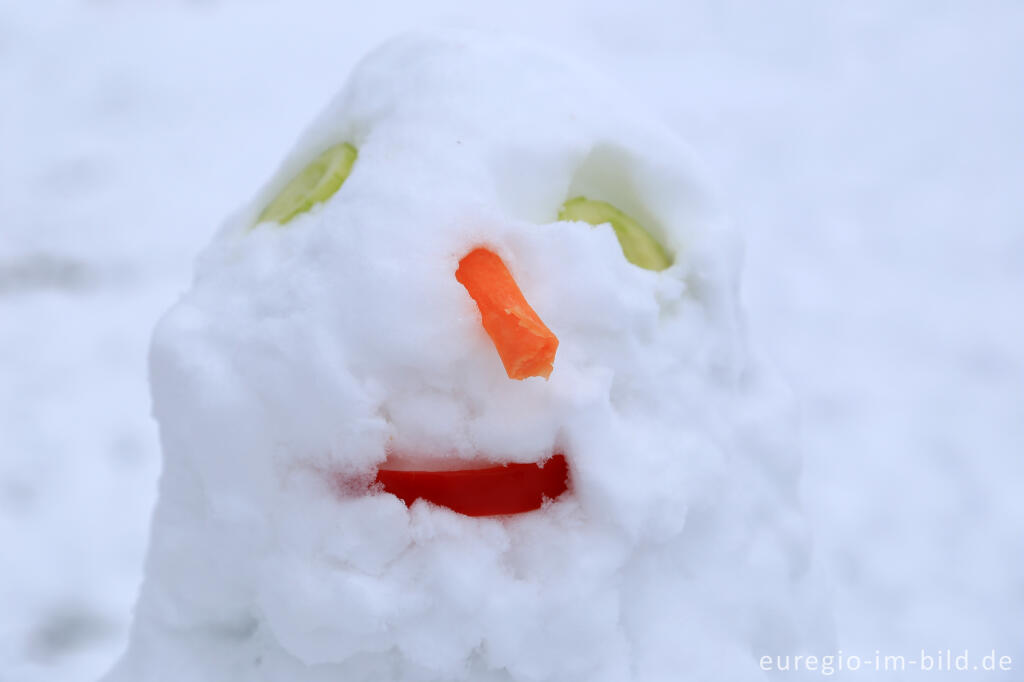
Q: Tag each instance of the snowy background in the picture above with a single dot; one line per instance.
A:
(872, 153)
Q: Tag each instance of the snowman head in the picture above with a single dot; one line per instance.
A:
(480, 269)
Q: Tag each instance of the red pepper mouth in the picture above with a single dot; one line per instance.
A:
(488, 489)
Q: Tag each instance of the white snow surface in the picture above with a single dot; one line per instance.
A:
(312, 350)
(869, 152)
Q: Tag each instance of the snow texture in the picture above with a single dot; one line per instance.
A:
(870, 153)
(307, 352)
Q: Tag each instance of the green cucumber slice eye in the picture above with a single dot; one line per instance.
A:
(638, 246)
(315, 184)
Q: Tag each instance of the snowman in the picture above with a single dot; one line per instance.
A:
(463, 394)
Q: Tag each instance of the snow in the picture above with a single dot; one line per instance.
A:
(308, 352)
(870, 154)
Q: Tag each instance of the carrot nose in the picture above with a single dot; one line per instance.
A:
(525, 344)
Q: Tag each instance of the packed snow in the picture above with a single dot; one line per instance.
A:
(307, 352)
(869, 153)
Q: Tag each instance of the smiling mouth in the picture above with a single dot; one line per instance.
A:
(476, 489)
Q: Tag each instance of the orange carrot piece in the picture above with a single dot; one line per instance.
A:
(526, 346)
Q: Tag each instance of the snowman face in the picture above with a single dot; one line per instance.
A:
(524, 343)
(479, 270)
(351, 320)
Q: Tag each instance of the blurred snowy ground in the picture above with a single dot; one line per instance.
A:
(872, 152)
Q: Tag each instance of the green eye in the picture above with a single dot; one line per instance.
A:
(638, 246)
(316, 183)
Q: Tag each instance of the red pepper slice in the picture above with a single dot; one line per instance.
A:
(511, 488)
